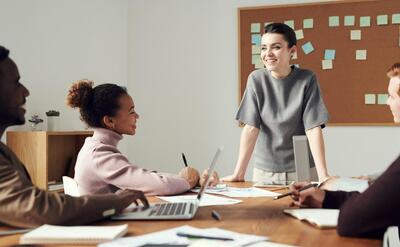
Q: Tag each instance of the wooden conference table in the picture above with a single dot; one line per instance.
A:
(261, 216)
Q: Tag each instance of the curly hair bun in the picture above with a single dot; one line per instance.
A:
(79, 93)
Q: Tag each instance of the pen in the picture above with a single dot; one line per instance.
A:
(216, 215)
(16, 231)
(184, 160)
(181, 234)
(291, 193)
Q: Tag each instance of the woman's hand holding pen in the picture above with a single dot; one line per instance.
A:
(191, 175)
(311, 197)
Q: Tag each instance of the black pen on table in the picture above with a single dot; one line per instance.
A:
(189, 235)
(301, 189)
(184, 160)
(216, 215)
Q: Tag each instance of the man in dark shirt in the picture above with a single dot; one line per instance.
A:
(366, 214)
(25, 205)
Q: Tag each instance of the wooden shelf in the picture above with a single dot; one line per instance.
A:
(47, 155)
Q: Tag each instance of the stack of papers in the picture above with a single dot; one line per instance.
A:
(49, 234)
(206, 200)
(322, 218)
(170, 237)
(241, 192)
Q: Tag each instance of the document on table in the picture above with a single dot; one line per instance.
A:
(170, 237)
(322, 218)
(243, 192)
(206, 200)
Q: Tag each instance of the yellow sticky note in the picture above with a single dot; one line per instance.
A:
(308, 23)
(255, 49)
(259, 65)
(361, 54)
(290, 23)
(255, 58)
(334, 21)
(299, 34)
(396, 18)
(355, 35)
(327, 64)
(255, 27)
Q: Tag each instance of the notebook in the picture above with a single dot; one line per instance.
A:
(170, 210)
(50, 234)
(321, 218)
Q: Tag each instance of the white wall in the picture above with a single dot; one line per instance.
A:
(57, 42)
(179, 61)
(183, 74)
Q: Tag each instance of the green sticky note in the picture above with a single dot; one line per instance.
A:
(308, 23)
(259, 65)
(355, 35)
(369, 99)
(349, 20)
(334, 21)
(382, 99)
(365, 21)
(255, 27)
(290, 23)
(361, 54)
(307, 48)
(382, 20)
(396, 18)
(255, 58)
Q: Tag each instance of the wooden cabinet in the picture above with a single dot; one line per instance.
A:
(47, 155)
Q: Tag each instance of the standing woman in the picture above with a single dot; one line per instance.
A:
(100, 167)
(279, 102)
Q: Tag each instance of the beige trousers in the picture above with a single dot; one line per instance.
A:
(264, 176)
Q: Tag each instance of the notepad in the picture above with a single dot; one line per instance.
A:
(50, 234)
(321, 218)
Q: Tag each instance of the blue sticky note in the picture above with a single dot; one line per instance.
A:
(349, 20)
(334, 21)
(382, 20)
(256, 39)
(396, 18)
(307, 47)
(365, 21)
(308, 23)
(329, 54)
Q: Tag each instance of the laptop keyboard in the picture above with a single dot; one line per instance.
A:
(165, 209)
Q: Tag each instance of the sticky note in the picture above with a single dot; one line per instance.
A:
(329, 54)
(255, 27)
(308, 23)
(355, 35)
(255, 58)
(361, 54)
(396, 18)
(333, 21)
(365, 21)
(382, 99)
(327, 64)
(259, 65)
(267, 23)
(307, 47)
(296, 65)
(349, 20)
(382, 20)
(299, 34)
(370, 99)
(255, 49)
(294, 56)
(256, 39)
(290, 23)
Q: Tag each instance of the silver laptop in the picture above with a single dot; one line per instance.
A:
(170, 210)
(302, 158)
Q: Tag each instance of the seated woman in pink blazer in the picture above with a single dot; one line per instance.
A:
(100, 167)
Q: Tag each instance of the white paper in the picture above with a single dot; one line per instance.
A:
(206, 200)
(349, 184)
(244, 192)
(323, 218)
(170, 237)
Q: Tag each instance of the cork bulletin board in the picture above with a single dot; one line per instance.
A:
(349, 45)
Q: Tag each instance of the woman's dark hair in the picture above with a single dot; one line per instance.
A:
(3, 53)
(281, 28)
(95, 102)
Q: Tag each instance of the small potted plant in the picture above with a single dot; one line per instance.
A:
(52, 120)
(35, 121)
